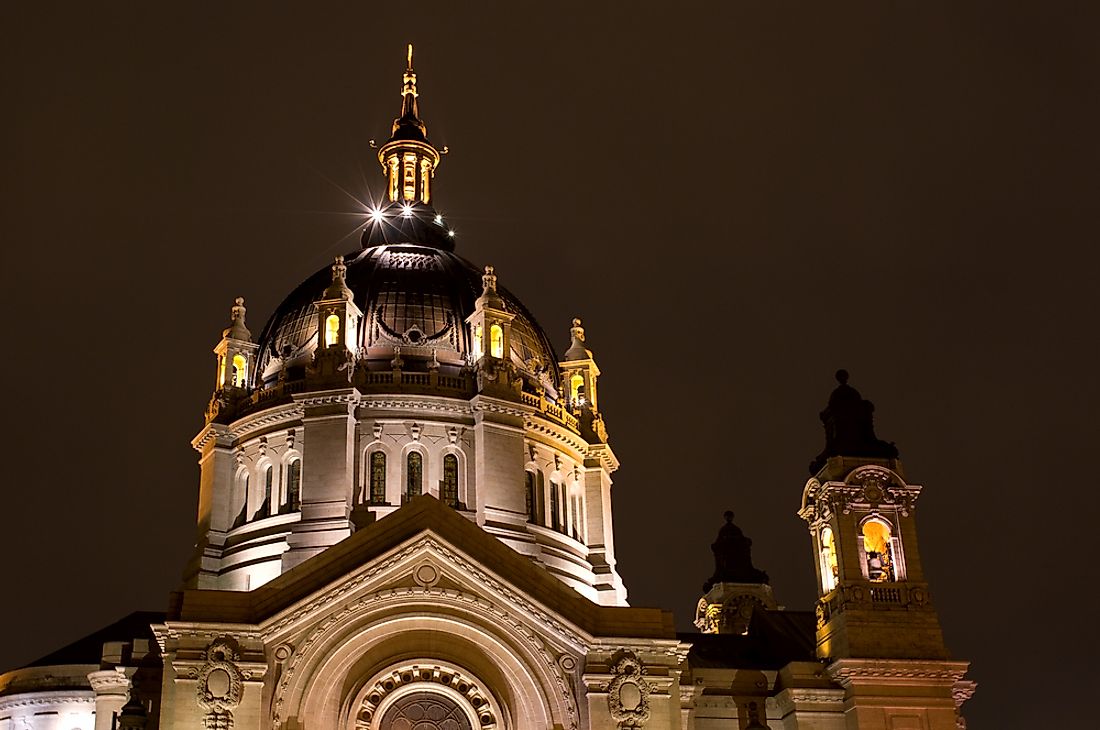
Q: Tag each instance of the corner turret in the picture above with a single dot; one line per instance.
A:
(736, 588)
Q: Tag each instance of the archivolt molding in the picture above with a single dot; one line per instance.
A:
(372, 701)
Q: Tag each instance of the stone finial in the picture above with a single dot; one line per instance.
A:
(338, 289)
(489, 297)
(577, 348)
(237, 329)
(733, 557)
(848, 420)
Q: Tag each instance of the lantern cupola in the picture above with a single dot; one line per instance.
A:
(408, 159)
(236, 351)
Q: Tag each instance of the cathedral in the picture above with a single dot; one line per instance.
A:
(405, 523)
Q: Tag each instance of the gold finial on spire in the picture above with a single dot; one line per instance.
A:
(410, 56)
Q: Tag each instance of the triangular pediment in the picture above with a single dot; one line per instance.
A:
(423, 547)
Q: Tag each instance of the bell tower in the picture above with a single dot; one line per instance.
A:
(876, 623)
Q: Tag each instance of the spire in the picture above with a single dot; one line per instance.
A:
(338, 289)
(237, 329)
(407, 158)
(577, 349)
(489, 296)
(849, 427)
(409, 122)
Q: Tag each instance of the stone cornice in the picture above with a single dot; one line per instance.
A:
(54, 697)
(894, 671)
(417, 403)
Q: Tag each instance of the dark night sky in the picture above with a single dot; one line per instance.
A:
(738, 198)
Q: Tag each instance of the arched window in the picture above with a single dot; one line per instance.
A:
(294, 485)
(830, 571)
(378, 477)
(240, 370)
(269, 483)
(448, 489)
(332, 330)
(414, 477)
(576, 390)
(426, 711)
(496, 341)
(879, 551)
(221, 371)
(555, 507)
(479, 347)
(575, 516)
(242, 516)
(529, 497)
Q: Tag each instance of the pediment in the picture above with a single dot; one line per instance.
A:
(422, 550)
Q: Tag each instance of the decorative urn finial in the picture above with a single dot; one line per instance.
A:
(237, 328)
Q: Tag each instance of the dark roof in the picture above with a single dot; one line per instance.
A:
(775, 639)
(414, 518)
(89, 650)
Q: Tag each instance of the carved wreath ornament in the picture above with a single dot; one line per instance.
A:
(628, 693)
(220, 685)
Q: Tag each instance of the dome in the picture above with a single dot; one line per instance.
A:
(414, 297)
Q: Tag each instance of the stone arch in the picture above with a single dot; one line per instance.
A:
(334, 663)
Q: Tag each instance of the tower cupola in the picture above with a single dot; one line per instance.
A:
(736, 588)
(408, 158)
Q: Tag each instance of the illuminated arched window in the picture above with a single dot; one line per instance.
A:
(448, 489)
(878, 549)
(479, 348)
(576, 389)
(496, 341)
(221, 371)
(529, 497)
(414, 477)
(830, 572)
(378, 477)
(294, 485)
(332, 330)
(240, 370)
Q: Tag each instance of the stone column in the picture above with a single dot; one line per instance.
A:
(112, 689)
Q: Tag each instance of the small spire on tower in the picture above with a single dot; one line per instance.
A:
(577, 349)
(338, 289)
(237, 329)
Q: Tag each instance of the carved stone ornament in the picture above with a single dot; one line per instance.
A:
(628, 693)
(220, 685)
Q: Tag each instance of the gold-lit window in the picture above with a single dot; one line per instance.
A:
(391, 163)
(576, 389)
(425, 174)
(496, 341)
(240, 371)
(879, 550)
(478, 346)
(830, 571)
(332, 330)
(221, 371)
(409, 175)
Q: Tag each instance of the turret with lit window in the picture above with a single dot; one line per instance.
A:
(874, 605)
(490, 328)
(579, 373)
(338, 320)
(235, 355)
